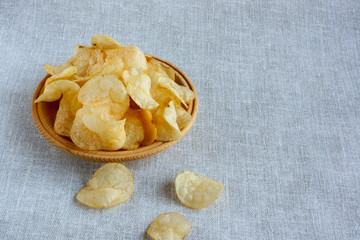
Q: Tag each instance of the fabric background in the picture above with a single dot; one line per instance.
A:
(278, 123)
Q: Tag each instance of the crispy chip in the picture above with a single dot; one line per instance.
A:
(106, 93)
(169, 226)
(154, 66)
(149, 128)
(110, 185)
(104, 42)
(75, 105)
(91, 132)
(139, 90)
(66, 74)
(54, 70)
(134, 130)
(134, 57)
(160, 78)
(165, 122)
(88, 61)
(183, 118)
(64, 116)
(196, 191)
(114, 64)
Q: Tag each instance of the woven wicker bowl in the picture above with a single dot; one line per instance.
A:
(44, 113)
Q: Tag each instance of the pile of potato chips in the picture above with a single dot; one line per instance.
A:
(114, 97)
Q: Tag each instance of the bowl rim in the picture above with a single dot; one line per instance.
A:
(111, 156)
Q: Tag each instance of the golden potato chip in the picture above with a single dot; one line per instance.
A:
(104, 42)
(149, 128)
(170, 72)
(54, 70)
(165, 122)
(66, 74)
(110, 185)
(64, 116)
(161, 79)
(139, 90)
(133, 57)
(196, 191)
(154, 66)
(169, 226)
(183, 118)
(105, 92)
(134, 130)
(114, 64)
(53, 91)
(91, 132)
(163, 96)
(75, 105)
(88, 61)
(186, 94)
(81, 136)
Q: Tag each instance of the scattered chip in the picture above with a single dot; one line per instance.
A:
(110, 185)
(169, 226)
(196, 191)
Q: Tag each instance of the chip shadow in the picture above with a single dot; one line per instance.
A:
(168, 190)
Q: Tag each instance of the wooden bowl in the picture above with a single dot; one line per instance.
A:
(44, 113)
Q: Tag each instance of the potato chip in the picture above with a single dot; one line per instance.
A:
(75, 105)
(196, 191)
(110, 185)
(183, 118)
(105, 92)
(54, 70)
(66, 74)
(154, 66)
(165, 122)
(139, 90)
(88, 61)
(54, 91)
(160, 79)
(149, 128)
(104, 42)
(82, 137)
(170, 72)
(133, 57)
(114, 63)
(169, 226)
(134, 130)
(91, 132)
(64, 116)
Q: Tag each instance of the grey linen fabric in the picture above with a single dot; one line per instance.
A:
(278, 123)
